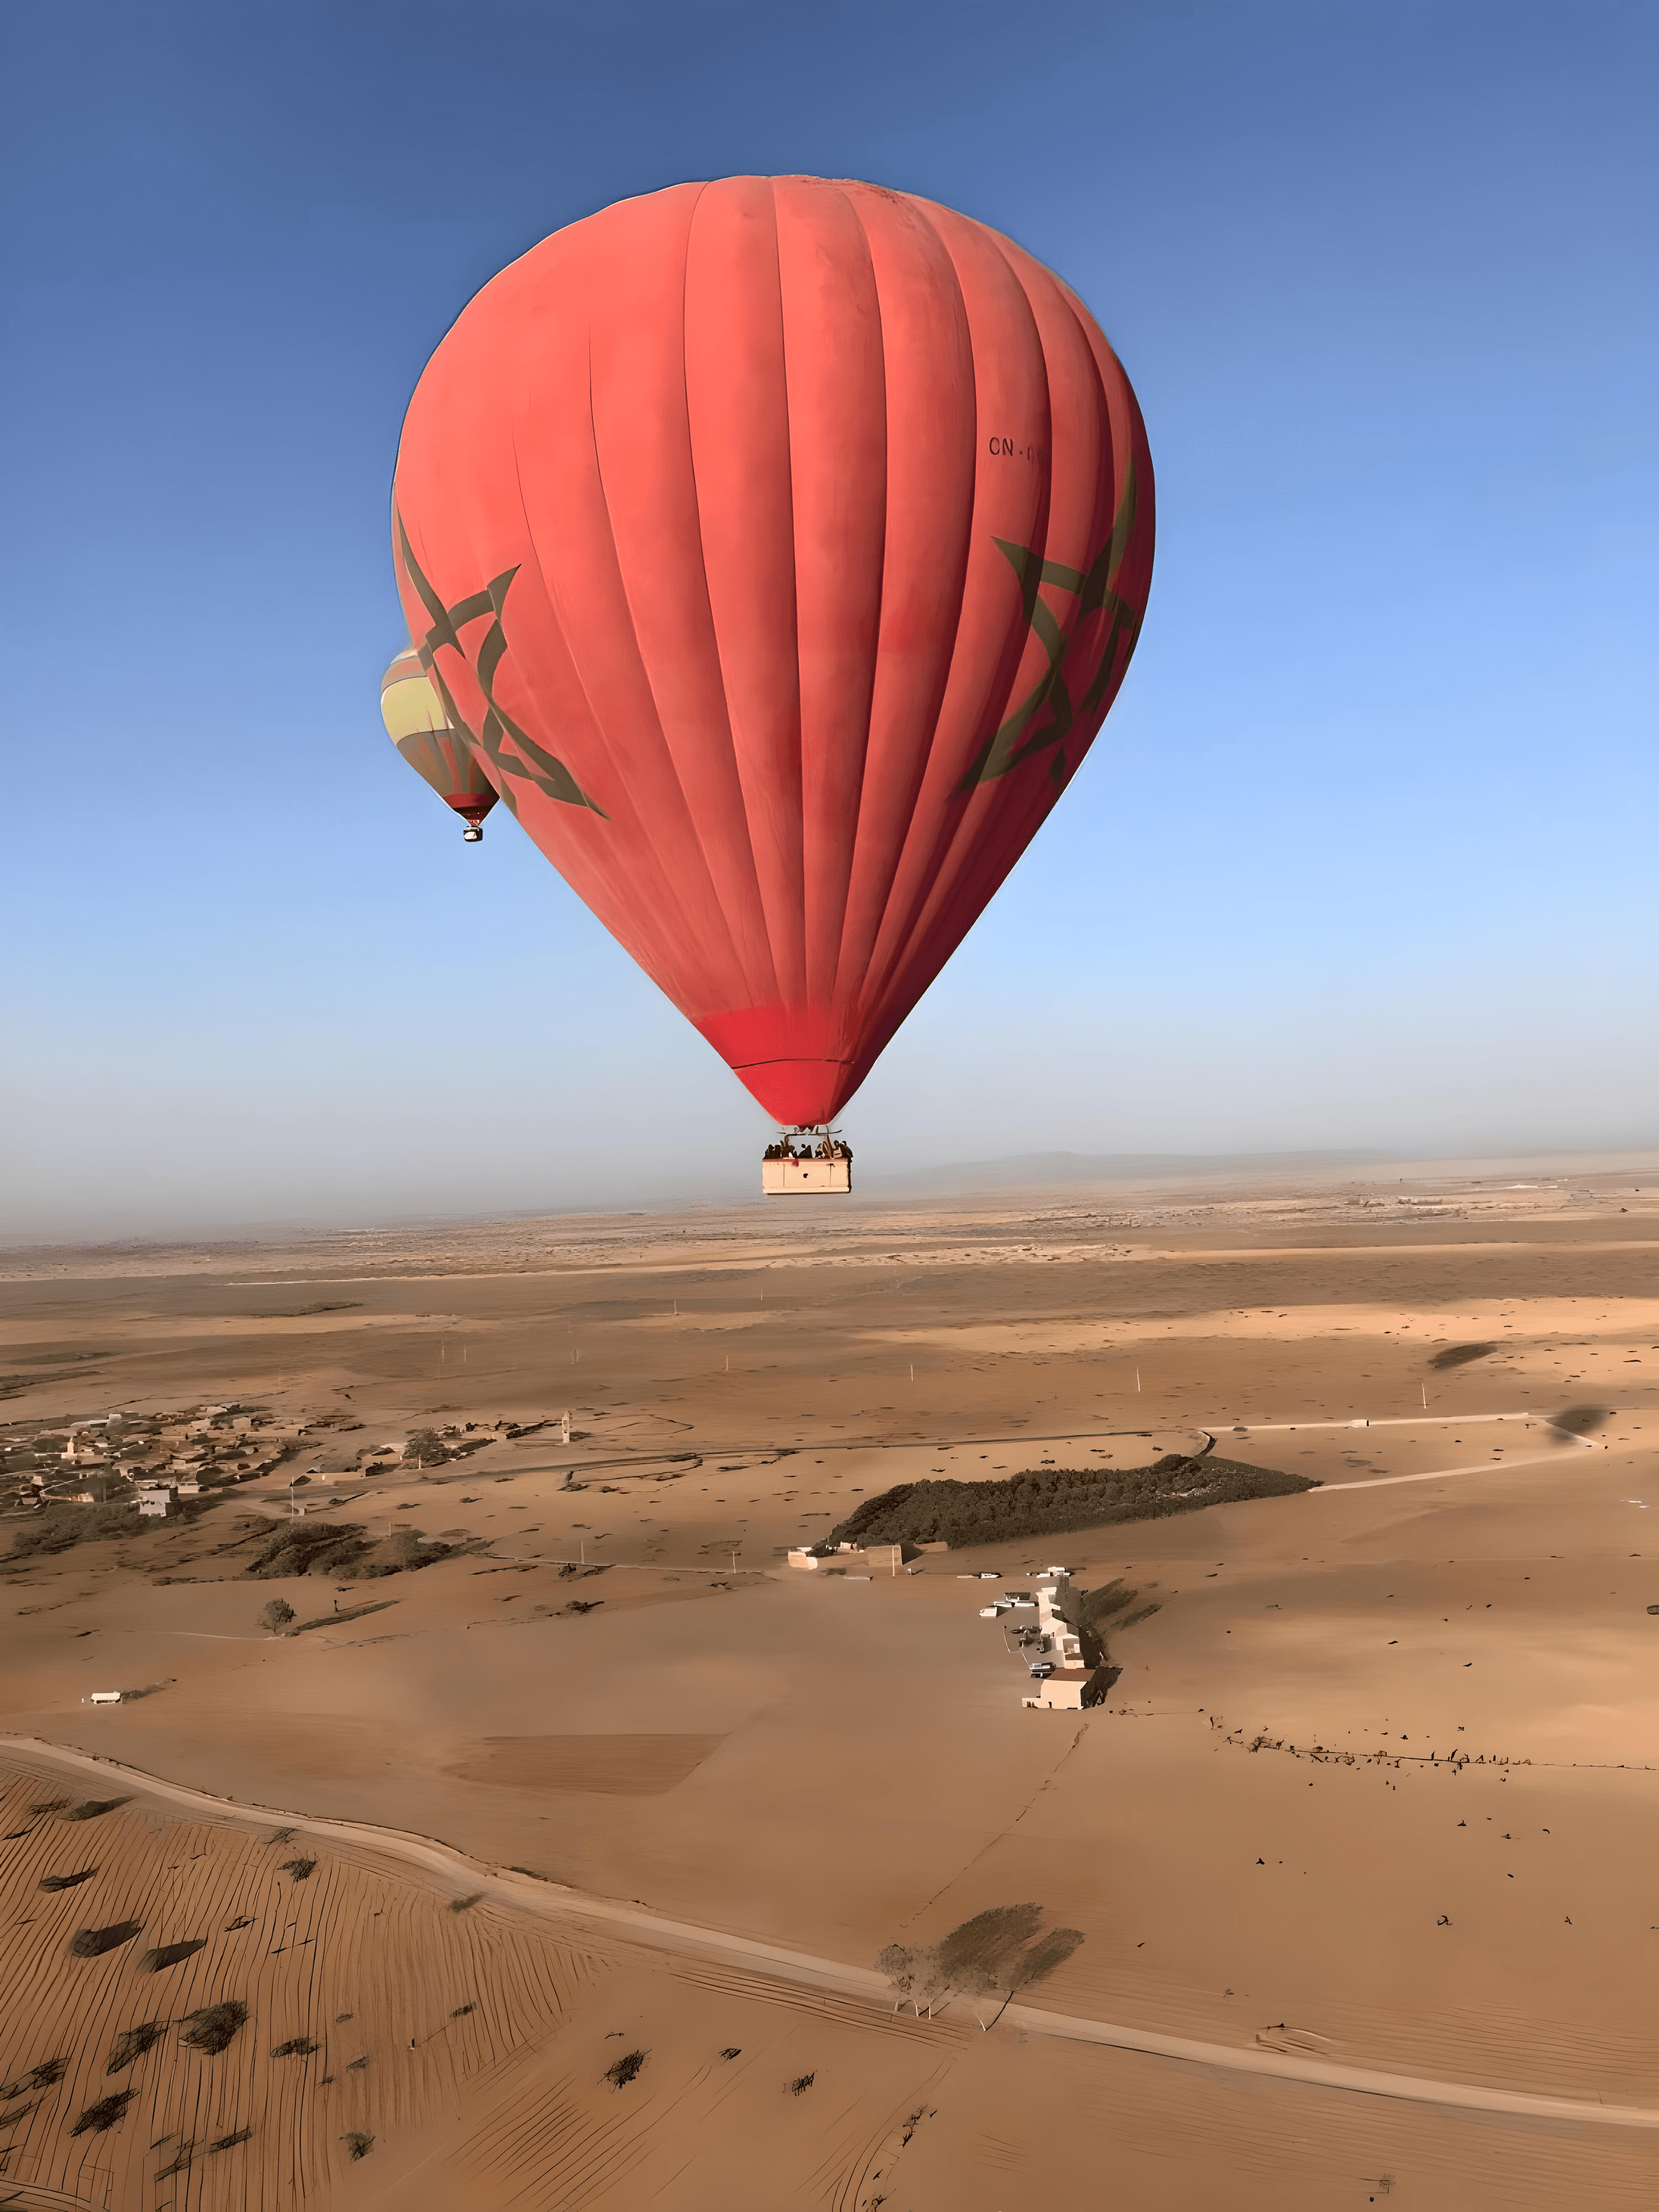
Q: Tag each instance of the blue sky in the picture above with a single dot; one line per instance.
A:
(1365, 855)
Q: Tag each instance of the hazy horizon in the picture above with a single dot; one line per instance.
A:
(1361, 859)
(1037, 1174)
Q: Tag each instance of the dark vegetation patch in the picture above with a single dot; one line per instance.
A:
(625, 2070)
(94, 1808)
(131, 2044)
(55, 1528)
(582, 1605)
(346, 1550)
(340, 1619)
(460, 2012)
(49, 1805)
(357, 2143)
(297, 2046)
(229, 2143)
(104, 2114)
(211, 2028)
(732, 2051)
(47, 2075)
(802, 2084)
(301, 1869)
(55, 1881)
(92, 1942)
(1050, 1500)
(998, 1952)
(170, 1955)
(1459, 1355)
(303, 1547)
(463, 1904)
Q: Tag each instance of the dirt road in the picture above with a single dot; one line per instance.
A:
(550, 1900)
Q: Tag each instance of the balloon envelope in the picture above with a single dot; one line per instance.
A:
(782, 545)
(435, 748)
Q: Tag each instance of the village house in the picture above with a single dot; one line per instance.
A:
(849, 1559)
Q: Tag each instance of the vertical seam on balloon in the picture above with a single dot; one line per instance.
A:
(920, 208)
(982, 818)
(602, 734)
(645, 674)
(789, 466)
(899, 959)
(985, 824)
(881, 602)
(707, 600)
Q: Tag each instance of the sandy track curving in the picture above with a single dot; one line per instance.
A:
(553, 1901)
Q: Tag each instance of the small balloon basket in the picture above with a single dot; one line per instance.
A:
(806, 1163)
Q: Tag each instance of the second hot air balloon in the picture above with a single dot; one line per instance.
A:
(439, 754)
(779, 545)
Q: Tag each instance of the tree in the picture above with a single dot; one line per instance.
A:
(899, 1965)
(426, 1447)
(1000, 1949)
(276, 1614)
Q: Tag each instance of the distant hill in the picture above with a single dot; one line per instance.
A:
(1026, 1170)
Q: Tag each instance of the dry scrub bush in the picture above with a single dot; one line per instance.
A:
(92, 1942)
(132, 2043)
(211, 2028)
(104, 2114)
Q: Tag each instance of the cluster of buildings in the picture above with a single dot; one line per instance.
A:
(1044, 1635)
(857, 1561)
(1038, 1622)
(156, 1459)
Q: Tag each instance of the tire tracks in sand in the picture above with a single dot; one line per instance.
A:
(548, 1900)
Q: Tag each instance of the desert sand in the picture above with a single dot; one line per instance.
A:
(1371, 1794)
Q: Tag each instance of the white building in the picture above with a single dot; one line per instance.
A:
(858, 1559)
(1056, 1646)
(1060, 1692)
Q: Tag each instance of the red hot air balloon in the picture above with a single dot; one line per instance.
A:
(781, 545)
(439, 753)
